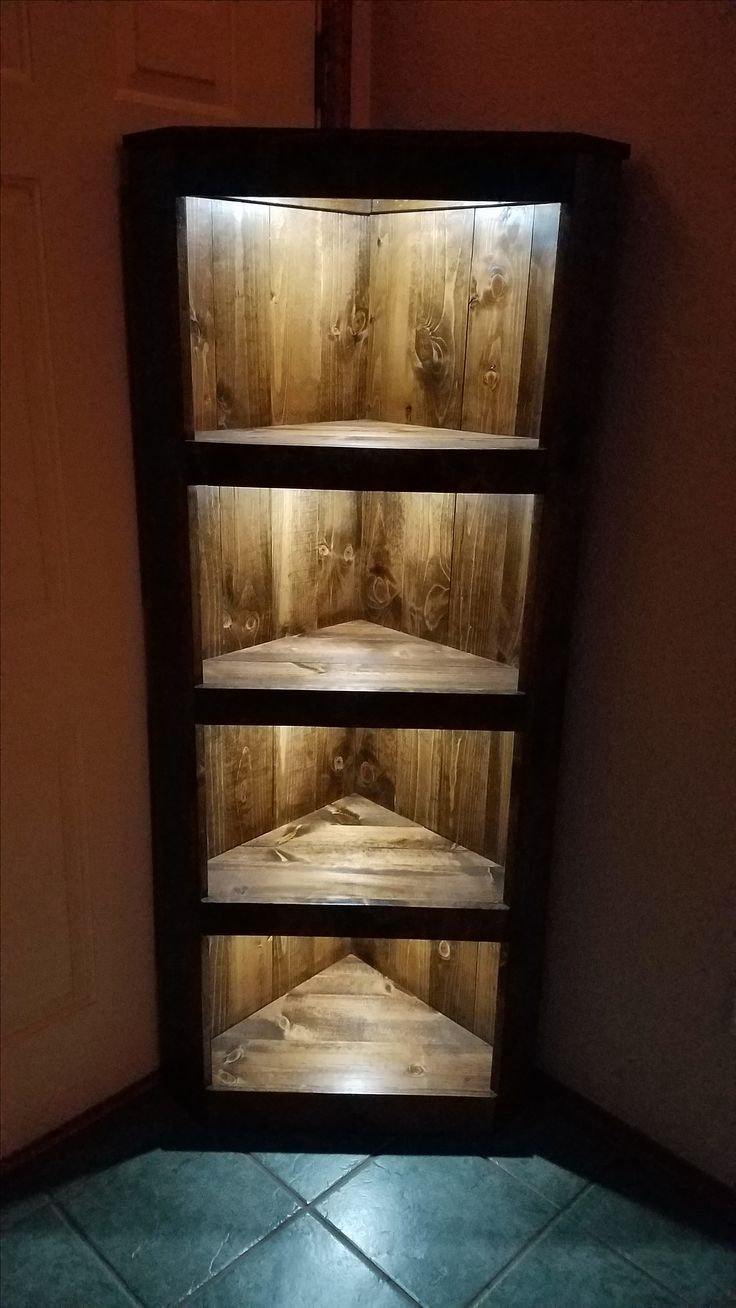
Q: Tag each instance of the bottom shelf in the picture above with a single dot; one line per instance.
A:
(350, 1030)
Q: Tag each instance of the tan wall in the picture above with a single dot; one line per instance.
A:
(640, 974)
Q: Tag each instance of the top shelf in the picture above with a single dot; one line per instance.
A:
(365, 455)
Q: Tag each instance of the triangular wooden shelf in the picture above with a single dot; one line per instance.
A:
(350, 1030)
(364, 433)
(355, 852)
(359, 656)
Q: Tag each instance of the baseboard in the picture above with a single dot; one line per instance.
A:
(22, 1157)
(685, 1176)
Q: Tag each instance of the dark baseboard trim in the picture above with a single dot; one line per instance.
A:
(15, 1162)
(685, 1176)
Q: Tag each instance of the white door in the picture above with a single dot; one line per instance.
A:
(78, 988)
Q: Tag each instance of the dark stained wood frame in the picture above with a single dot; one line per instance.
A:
(161, 167)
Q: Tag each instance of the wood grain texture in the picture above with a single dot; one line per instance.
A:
(200, 288)
(246, 567)
(359, 656)
(498, 297)
(490, 559)
(350, 1029)
(238, 768)
(533, 369)
(318, 314)
(366, 433)
(206, 568)
(353, 851)
(246, 972)
(240, 235)
(420, 275)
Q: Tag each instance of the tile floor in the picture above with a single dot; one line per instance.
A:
(145, 1210)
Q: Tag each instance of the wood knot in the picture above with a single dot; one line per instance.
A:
(323, 549)
(444, 949)
(430, 350)
(284, 1022)
(491, 378)
(416, 1069)
(497, 285)
(348, 554)
(368, 773)
(338, 763)
(251, 622)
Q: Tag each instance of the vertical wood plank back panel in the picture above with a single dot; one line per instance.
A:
(240, 978)
(375, 765)
(426, 554)
(498, 295)
(206, 556)
(382, 536)
(201, 313)
(490, 557)
(453, 968)
(339, 556)
(240, 236)
(295, 527)
(246, 576)
(239, 782)
(407, 544)
(486, 989)
(344, 317)
(420, 276)
(318, 314)
(537, 320)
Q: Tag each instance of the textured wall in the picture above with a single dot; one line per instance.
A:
(640, 959)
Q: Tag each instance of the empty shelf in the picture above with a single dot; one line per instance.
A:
(366, 455)
(359, 656)
(350, 1030)
(365, 434)
(355, 852)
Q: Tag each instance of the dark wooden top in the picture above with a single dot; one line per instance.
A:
(555, 142)
(533, 167)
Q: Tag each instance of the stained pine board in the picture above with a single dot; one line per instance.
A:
(349, 1030)
(366, 433)
(359, 656)
(355, 852)
(419, 282)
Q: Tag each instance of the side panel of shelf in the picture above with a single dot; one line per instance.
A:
(158, 387)
(582, 287)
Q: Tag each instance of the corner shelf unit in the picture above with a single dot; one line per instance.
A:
(358, 427)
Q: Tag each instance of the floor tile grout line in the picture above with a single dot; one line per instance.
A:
(536, 1190)
(68, 1220)
(626, 1258)
(272, 1176)
(345, 1240)
(190, 1297)
(516, 1258)
(307, 1203)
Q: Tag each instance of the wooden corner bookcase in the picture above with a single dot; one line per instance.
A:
(359, 426)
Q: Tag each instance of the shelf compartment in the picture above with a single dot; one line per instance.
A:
(349, 1029)
(346, 831)
(366, 455)
(359, 657)
(354, 852)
